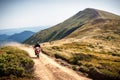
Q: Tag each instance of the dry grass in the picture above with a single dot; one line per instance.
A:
(91, 55)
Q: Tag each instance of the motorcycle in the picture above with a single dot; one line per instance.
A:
(37, 51)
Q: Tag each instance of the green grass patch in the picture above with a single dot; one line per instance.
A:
(15, 62)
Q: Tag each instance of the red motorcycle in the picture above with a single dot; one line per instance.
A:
(37, 51)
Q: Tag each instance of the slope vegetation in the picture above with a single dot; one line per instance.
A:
(93, 49)
(15, 64)
(68, 26)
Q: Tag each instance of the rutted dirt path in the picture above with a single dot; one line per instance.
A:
(47, 69)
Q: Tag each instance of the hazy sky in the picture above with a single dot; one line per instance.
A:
(29, 13)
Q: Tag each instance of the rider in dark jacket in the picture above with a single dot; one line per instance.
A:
(37, 49)
(37, 45)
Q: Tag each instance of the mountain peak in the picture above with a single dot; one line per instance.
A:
(101, 13)
(70, 25)
(90, 14)
(86, 15)
(89, 9)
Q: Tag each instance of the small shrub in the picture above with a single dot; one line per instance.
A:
(61, 57)
(110, 75)
(27, 64)
(81, 56)
(84, 69)
(91, 46)
(56, 48)
(109, 38)
(74, 67)
(113, 53)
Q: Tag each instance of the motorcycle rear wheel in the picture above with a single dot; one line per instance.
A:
(37, 55)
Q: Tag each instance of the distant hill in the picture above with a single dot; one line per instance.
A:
(70, 25)
(20, 37)
(17, 37)
(3, 36)
(19, 30)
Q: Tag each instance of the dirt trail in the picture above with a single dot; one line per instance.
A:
(47, 69)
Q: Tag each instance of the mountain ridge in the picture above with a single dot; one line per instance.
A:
(18, 30)
(17, 37)
(20, 37)
(65, 28)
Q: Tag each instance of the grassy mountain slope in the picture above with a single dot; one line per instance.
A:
(93, 49)
(67, 27)
(97, 27)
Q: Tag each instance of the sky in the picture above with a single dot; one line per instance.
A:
(30, 13)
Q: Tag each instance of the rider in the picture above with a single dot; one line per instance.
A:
(37, 45)
(37, 48)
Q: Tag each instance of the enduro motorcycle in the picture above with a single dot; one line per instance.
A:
(37, 51)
